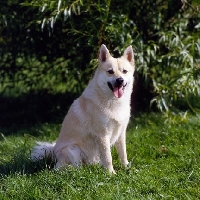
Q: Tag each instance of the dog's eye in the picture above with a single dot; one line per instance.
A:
(125, 71)
(110, 71)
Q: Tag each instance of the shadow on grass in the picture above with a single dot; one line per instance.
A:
(21, 163)
(28, 110)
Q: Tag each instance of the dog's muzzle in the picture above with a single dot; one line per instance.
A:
(118, 87)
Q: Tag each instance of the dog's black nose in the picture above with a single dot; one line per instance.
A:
(119, 82)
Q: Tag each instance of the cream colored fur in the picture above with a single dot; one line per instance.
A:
(98, 119)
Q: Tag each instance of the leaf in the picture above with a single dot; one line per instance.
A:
(197, 26)
(59, 4)
(79, 10)
(165, 105)
(43, 23)
(198, 47)
(52, 22)
(43, 7)
(69, 12)
(65, 14)
(152, 101)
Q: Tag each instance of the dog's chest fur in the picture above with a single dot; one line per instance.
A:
(101, 119)
(101, 115)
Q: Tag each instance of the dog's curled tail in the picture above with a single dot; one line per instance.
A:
(42, 150)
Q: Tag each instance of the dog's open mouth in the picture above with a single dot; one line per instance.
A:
(118, 91)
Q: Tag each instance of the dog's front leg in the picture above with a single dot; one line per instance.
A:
(121, 148)
(105, 153)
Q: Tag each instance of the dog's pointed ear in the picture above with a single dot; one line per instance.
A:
(128, 54)
(103, 53)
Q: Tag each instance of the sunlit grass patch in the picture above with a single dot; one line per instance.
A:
(164, 164)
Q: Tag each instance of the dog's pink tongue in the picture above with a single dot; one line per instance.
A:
(118, 92)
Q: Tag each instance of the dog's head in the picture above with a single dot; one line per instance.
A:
(115, 75)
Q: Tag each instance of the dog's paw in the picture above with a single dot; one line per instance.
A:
(126, 164)
(112, 171)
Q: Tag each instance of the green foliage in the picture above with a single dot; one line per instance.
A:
(169, 53)
(175, 74)
(62, 37)
(163, 155)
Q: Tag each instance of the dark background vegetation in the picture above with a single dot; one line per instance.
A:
(48, 52)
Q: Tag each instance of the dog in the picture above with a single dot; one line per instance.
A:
(98, 119)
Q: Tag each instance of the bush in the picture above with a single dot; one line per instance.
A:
(164, 35)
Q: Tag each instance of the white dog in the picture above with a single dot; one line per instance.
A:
(98, 119)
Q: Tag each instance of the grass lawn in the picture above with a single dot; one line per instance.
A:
(164, 160)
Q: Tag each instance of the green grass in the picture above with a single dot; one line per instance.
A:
(164, 157)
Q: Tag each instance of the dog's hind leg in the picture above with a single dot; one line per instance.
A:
(71, 155)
